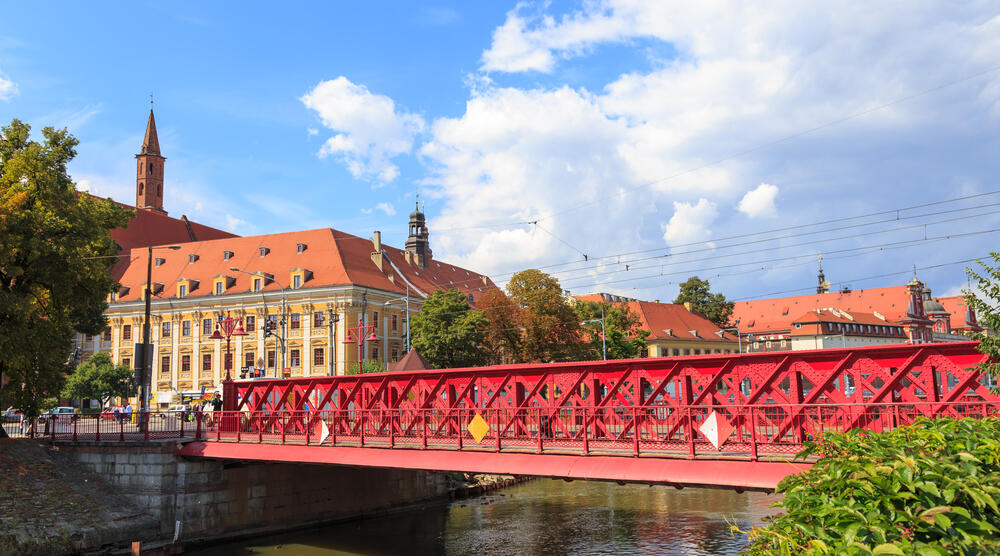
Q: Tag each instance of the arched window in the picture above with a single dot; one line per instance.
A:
(159, 190)
(149, 170)
(140, 188)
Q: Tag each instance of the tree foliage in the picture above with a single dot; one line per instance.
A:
(987, 310)
(502, 339)
(550, 327)
(447, 332)
(55, 253)
(99, 378)
(625, 336)
(712, 306)
(930, 489)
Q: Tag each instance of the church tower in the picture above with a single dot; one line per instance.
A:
(149, 171)
(418, 243)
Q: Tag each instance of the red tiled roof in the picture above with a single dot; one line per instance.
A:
(766, 315)
(660, 317)
(826, 315)
(153, 228)
(333, 258)
(955, 305)
(412, 361)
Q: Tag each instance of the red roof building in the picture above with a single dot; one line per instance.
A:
(675, 329)
(768, 323)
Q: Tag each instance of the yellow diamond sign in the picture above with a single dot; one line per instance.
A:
(478, 428)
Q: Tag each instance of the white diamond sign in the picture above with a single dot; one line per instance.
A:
(322, 431)
(716, 429)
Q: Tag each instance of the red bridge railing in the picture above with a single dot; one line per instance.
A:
(765, 404)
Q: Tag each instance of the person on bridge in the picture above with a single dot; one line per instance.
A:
(128, 412)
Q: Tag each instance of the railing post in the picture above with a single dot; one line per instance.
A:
(260, 428)
(333, 426)
(496, 421)
(75, 421)
(99, 419)
(218, 424)
(753, 434)
(184, 418)
(690, 432)
(361, 414)
(308, 427)
(144, 417)
(121, 430)
(423, 426)
(539, 430)
(458, 423)
(635, 431)
(239, 426)
(392, 429)
(586, 425)
(197, 428)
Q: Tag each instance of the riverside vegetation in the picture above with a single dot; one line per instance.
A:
(928, 489)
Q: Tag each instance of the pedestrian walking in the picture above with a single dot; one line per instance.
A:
(128, 412)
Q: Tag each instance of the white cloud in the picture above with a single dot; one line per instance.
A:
(312, 131)
(690, 222)
(370, 131)
(759, 203)
(386, 208)
(7, 87)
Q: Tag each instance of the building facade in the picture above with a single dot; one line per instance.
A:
(316, 287)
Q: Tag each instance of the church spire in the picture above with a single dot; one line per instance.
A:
(151, 144)
(149, 170)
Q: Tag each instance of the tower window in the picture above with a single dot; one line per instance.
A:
(140, 188)
(159, 190)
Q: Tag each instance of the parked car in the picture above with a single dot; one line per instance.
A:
(177, 411)
(61, 412)
(11, 416)
(109, 412)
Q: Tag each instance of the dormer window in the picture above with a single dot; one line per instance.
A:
(300, 247)
(182, 290)
(298, 277)
(226, 255)
(257, 284)
(264, 251)
(220, 288)
(159, 261)
(192, 258)
(297, 281)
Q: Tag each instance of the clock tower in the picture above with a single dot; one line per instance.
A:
(149, 171)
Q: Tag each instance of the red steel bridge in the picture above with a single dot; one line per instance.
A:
(731, 421)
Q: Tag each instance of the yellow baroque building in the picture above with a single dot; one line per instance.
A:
(316, 285)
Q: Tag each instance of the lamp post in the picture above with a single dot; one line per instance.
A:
(225, 329)
(407, 324)
(359, 335)
(259, 274)
(334, 319)
(604, 345)
(739, 337)
(147, 352)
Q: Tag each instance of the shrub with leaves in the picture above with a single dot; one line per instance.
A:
(929, 489)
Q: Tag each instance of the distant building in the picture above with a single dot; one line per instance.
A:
(675, 329)
(328, 281)
(768, 324)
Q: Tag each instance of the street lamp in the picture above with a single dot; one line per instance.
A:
(225, 329)
(739, 337)
(334, 319)
(407, 299)
(359, 335)
(281, 338)
(604, 345)
(147, 352)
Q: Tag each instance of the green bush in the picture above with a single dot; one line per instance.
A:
(927, 489)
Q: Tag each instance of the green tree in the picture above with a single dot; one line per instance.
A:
(502, 335)
(55, 253)
(551, 327)
(625, 336)
(447, 332)
(712, 306)
(986, 304)
(98, 378)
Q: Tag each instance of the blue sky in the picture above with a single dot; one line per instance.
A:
(661, 128)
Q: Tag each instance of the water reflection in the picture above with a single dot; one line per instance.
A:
(542, 517)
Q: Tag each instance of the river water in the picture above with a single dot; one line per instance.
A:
(544, 517)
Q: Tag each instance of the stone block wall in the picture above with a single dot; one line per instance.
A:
(216, 499)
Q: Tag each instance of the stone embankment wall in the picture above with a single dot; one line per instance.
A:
(214, 499)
